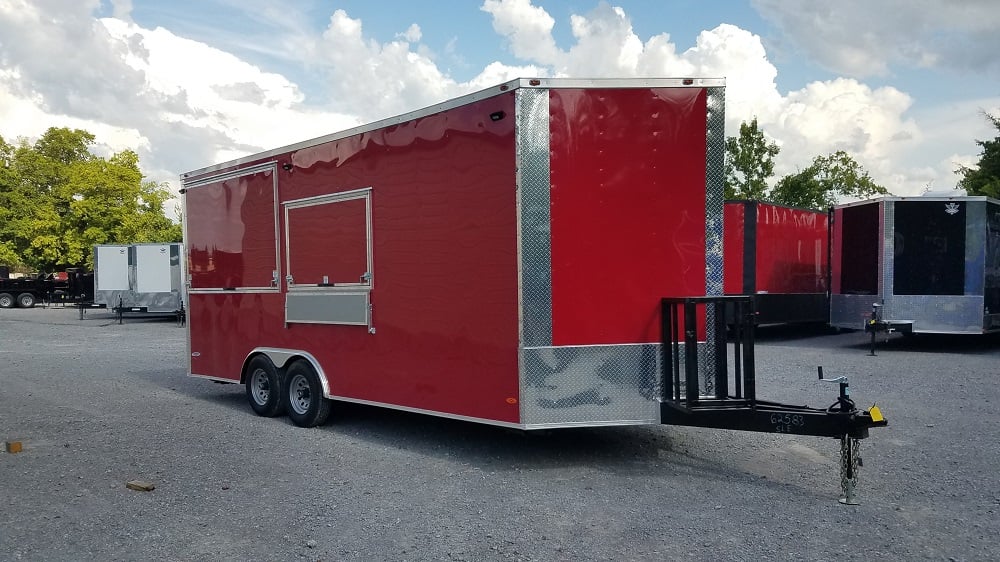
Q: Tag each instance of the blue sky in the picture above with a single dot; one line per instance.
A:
(900, 85)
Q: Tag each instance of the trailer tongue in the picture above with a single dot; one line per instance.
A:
(702, 388)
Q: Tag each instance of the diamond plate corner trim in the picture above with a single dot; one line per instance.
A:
(591, 385)
(715, 170)
(533, 209)
(975, 247)
(888, 262)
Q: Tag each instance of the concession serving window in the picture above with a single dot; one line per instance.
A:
(328, 258)
(232, 234)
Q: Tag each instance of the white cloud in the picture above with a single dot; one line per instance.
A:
(375, 80)
(739, 56)
(864, 38)
(953, 125)
(122, 9)
(844, 114)
(412, 34)
(527, 27)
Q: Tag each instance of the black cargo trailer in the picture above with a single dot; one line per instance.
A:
(917, 264)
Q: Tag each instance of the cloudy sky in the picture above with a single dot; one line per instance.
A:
(899, 84)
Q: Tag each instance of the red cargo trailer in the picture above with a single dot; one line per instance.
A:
(780, 255)
(505, 257)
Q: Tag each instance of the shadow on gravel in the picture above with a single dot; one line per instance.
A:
(823, 336)
(932, 343)
(622, 450)
(134, 318)
(625, 450)
(789, 332)
(491, 445)
(233, 396)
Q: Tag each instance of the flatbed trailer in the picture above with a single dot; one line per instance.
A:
(74, 286)
(24, 292)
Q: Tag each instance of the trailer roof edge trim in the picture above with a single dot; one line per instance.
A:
(499, 89)
(932, 198)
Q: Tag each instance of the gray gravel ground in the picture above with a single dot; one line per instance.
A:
(97, 404)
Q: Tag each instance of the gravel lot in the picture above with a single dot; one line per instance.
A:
(97, 404)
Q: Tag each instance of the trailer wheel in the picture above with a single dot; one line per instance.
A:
(6, 300)
(26, 300)
(306, 405)
(264, 387)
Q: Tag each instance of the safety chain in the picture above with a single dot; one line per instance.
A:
(850, 460)
(707, 357)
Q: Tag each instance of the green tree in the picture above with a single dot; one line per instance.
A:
(984, 179)
(8, 202)
(824, 182)
(58, 200)
(749, 163)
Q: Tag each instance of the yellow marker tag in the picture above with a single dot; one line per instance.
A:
(875, 413)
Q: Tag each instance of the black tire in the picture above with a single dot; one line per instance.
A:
(304, 396)
(7, 300)
(264, 388)
(26, 300)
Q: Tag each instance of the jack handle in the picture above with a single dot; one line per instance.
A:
(844, 402)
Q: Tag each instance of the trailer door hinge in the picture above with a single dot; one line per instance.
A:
(366, 277)
(289, 279)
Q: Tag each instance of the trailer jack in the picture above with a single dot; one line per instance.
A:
(876, 324)
(717, 397)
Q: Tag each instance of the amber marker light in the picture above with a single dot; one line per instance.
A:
(512, 401)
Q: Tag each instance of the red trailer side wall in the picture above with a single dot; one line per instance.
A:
(231, 244)
(792, 248)
(623, 237)
(445, 270)
(733, 228)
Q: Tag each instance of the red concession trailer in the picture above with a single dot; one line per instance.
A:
(500, 257)
(518, 256)
(780, 255)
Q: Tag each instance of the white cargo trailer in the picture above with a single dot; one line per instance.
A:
(139, 277)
